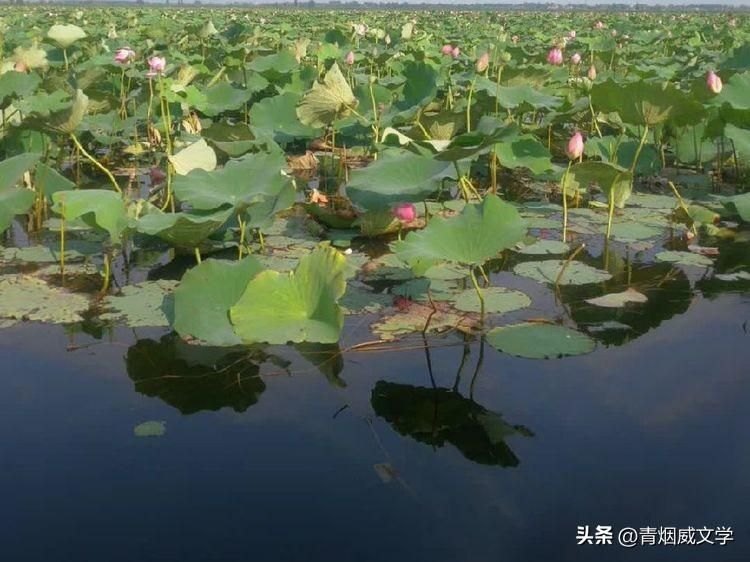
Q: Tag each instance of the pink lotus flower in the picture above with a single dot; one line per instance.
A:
(483, 62)
(555, 56)
(575, 59)
(447, 50)
(124, 55)
(349, 59)
(714, 82)
(156, 66)
(575, 146)
(592, 73)
(406, 212)
(456, 52)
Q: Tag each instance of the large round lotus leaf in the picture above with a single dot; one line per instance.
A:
(479, 233)
(612, 179)
(98, 207)
(524, 152)
(397, 176)
(547, 271)
(685, 258)
(542, 247)
(277, 116)
(299, 306)
(196, 156)
(640, 103)
(360, 299)
(539, 341)
(510, 97)
(16, 84)
(186, 230)
(205, 295)
(250, 180)
(741, 204)
(631, 231)
(326, 102)
(735, 92)
(14, 201)
(65, 35)
(24, 297)
(618, 300)
(497, 300)
(150, 429)
(415, 318)
(141, 305)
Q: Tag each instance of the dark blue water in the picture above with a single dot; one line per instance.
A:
(266, 459)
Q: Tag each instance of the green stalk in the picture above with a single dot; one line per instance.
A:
(565, 201)
(197, 253)
(95, 162)
(468, 105)
(478, 290)
(62, 239)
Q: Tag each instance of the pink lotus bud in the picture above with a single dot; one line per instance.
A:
(456, 52)
(447, 50)
(575, 59)
(349, 59)
(406, 212)
(713, 82)
(156, 66)
(572, 34)
(483, 62)
(592, 73)
(555, 56)
(124, 55)
(575, 146)
(156, 175)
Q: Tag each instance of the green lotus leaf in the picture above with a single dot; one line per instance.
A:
(298, 306)
(50, 181)
(480, 232)
(205, 295)
(539, 341)
(544, 247)
(16, 84)
(397, 176)
(735, 92)
(242, 183)
(639, 103)
(223, 97)
(196, 156)
(185, 230)
(139, 306)
(327, 101)
(97, 207)
(619, 300)
(277, 116)
(685, 258)
(150, 429)
(512, 97)
(23, 297)
(614, 180)
(497, 300)
(66, 35)
(573, 273)
(14, 200)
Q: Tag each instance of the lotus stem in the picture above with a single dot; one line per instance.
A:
(107, 273)
(62, 239)
(468, 105)
(242, 234)
(610, 211)
(197, 253)
(95, 162)
(571, 257)
(478, 289)
(563, 189)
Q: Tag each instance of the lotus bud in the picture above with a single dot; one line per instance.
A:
(349, 59)
(124, 55)
(406, 212)
(714, 82)
(483, 62)
(555, 56)
(575, 59)
(572, 34)
(156, 66)
(387, 39)
(599, 25)
(575, 146)
(515, 39)
(456, 52)
(447, 50)
(591, 73)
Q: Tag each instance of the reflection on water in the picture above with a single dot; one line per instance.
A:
(437, 416)
(193, 378)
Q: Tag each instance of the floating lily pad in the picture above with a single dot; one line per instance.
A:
(497, 300)
(414, 318)
(575, 273)
(685, 258)
(631, 231)
(140, 305)
(618, 300)
(196, 156)
(739, 276)
(150, 429)
(542, 247)
(539, 341)
(359, 299)
(23, 297)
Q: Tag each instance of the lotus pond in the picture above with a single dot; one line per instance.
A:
(293, 285)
